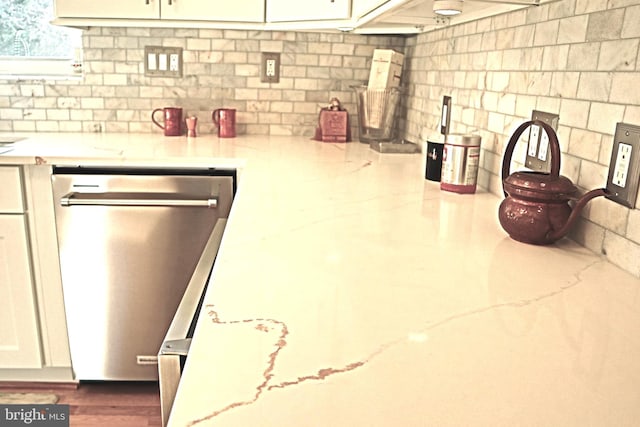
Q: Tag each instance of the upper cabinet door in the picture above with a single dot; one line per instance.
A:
(126, 9)
(186, 10)
(203, 10)
(308, 10)
(362, 7)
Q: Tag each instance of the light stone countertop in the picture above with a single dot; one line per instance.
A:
(350, 291)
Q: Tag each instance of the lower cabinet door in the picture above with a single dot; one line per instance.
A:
(20, 345)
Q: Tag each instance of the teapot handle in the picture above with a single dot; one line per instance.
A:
(553, 144)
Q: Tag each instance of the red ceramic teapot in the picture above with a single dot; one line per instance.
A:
(536, 207)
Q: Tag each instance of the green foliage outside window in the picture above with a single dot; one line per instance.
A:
(25, 31)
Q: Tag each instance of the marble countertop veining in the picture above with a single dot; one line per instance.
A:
(350, 291)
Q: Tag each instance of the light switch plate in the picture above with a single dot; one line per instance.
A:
(624, 167)
(270, 67)
(161, 61)
(538, 151)
(445, 120)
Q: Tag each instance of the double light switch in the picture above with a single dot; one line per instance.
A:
(538, 156)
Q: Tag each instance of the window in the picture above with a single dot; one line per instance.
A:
(30, 47)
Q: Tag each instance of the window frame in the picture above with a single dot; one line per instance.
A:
(44, 68)
(39, 69)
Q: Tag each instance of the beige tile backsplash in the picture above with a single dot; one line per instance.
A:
(221, 69)
(577, 58)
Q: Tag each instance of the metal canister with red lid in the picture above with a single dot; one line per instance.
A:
(460, 161)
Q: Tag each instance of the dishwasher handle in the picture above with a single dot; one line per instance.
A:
(130, 199)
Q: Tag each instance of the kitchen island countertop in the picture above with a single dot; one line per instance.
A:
(350, 291)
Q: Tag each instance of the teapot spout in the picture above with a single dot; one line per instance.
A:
(575, 212)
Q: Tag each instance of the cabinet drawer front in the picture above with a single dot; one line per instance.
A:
(11, 199)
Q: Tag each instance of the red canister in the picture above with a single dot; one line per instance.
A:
(225, 120)
(460, 161)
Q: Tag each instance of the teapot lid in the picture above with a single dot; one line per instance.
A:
(539, 185)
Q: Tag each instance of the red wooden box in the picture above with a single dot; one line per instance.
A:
(333, 126)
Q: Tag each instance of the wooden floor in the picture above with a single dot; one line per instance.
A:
(113, 404)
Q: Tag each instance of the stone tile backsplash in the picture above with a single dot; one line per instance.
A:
(221, 69)
(577, 58)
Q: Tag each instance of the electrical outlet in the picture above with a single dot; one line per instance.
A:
(624, 167)
(538, 151)
(173, 62)
(162, 61)
(270, 67)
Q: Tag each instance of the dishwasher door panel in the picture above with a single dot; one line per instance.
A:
(125, 268)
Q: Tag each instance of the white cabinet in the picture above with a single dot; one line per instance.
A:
(20, 345)
(202, 10)
(196, 10)
(131, 9)
(309, 10)
(362, 7)
(19, 335)
(33, 330)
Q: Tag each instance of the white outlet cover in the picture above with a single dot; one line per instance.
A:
(621, 168)
(271, 67)
(173, 62)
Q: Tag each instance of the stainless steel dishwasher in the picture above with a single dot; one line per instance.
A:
(129, 241)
